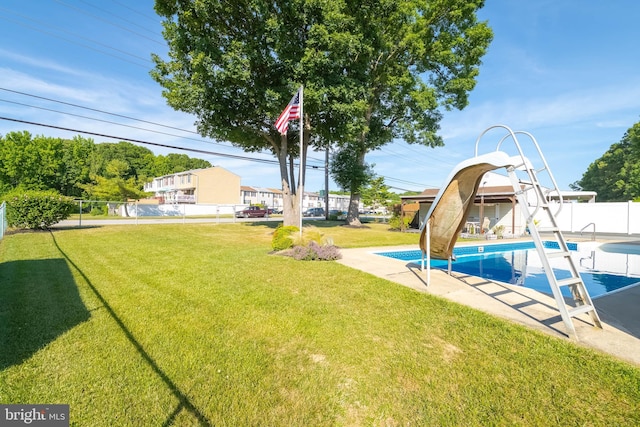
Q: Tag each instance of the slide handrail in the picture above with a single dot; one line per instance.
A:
(541, 197)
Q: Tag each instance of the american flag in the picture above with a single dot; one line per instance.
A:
(291, 112)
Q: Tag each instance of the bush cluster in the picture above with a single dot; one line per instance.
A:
(37, 209)
(316, 252)
(283, 237)
(312, 246)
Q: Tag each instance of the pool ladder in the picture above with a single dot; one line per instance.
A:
(582, 303)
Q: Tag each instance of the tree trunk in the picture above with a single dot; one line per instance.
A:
(353, 216)
(291, 196)
(291, 206)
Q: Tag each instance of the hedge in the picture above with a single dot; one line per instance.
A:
(37, 209)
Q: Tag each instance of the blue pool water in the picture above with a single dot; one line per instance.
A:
(518, 264)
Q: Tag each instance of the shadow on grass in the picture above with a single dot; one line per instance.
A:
(39, 301)
(184, 402)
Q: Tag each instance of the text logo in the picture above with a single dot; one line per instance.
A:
(35, 415)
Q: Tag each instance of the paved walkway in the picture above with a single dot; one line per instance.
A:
(619, 311)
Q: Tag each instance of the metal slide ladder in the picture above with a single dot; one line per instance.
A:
(581, 300)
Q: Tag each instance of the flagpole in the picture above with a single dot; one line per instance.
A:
(302, 158)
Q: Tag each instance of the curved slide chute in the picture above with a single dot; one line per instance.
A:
(451, 206)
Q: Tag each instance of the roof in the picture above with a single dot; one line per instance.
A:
(495, 194)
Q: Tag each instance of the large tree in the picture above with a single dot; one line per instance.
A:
(373, 70)
(44, 163)
(616, 175)
(140, 160)
(73, 166)
(378, 196)
(116, 184)
(174, 163)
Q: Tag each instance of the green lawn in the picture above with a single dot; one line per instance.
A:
(199, 325)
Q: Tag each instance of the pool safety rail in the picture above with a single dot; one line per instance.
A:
(534, 200)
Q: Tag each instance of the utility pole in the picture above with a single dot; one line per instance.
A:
(326, 184)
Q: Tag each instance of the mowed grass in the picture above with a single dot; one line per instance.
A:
(201, 325)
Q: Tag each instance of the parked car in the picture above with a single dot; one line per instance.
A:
(338, 214)
(314, 212)
(252, 212)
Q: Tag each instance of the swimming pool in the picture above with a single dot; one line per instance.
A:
(604, 268)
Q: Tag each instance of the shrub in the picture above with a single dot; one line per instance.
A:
(282, 237)
(313, 251)
(99, 210)
(37, 209)
(395, 222)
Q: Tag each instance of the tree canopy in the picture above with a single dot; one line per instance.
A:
(616, 175)
(80, 168)
(372, 70)
(377, 195)
(43, 163)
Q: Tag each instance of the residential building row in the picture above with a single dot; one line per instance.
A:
(218, 186)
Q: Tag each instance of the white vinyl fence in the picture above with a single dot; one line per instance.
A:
(133, 209)
(3, 219)
(142, 210)
(609, 217)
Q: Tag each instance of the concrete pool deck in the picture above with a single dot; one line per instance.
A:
(618, 311)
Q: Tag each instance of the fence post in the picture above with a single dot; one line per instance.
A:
(80, 220)
(3, 215)
(629, 217)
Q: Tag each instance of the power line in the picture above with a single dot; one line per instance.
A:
(98, 110)
(105, 121)
(136, 11)
(139, 141)
(135, 24)
(115, 115)
(194, 150)
(81, 44)
(84, 12)
(387, 178)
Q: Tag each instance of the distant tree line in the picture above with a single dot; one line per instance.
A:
(616, 175)
(80, 168)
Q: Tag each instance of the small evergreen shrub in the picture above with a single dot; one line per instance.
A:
(37, 209)
(283, 237)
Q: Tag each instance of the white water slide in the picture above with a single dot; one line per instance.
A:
(450, 209)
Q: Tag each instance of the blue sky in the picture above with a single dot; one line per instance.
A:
(564, 70)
